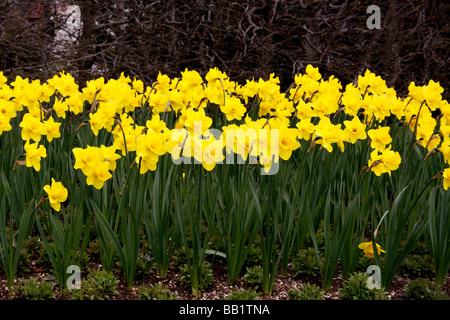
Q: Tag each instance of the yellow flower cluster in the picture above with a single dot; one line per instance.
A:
(307, 111)
(96, 163)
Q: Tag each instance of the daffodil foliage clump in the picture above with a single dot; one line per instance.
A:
(245, 159)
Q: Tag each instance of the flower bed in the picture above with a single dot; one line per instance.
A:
(211, 171)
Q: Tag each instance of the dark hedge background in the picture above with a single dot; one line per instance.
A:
(246, 39)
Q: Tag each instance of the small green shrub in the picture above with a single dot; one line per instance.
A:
(305, 264)
(180, 256)
(44, 258)
(294, 294)
(363, 263)
(254, 277)
(417, 266)
(242, 294)
(32, 289)
(320, 237)
(308, 292)
(355, 288)
(143, 267)
(23, 265)
(93, 250)
(254, 255)
(156, 292)
(207, 276)
(99, 285)
(32, 243)
(424, 289)
(420, 249)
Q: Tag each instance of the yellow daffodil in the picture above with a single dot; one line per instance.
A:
(32, 127)
(109, 155)
(288, 142)
(432, 94)
(305, 129)
(355, 129)
(60, 107)
(4, 124)
(51, 129)
(352, 99)
(197, 122)
(98, 175)
(380, 138)
(313, 73)
(416, 92)
(138, 85)
(104, 117)
(162, 83)
(190, 79)
(379, 107)
(127, 144)
(57, 193)
(241, 140)
(149, 147)
(3, 79)
(156, 124)
(210, 152)
(33, 155)
(159, 102)
(371, 83)
(148, 163)
(309, 86)
(367, 247)
(92, 88)
(444, 149)
(446, 175)
(324, 105)
(326, 133)
(7, 108)
(266, 89)
(304, 110)
(383, 162)
(233, 109)
(215, 74)
(150, 144)
(64, 83)
(86, 159)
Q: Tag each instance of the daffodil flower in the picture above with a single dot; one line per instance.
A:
(368, 249)
(4, 124)
(233, 109)
(380, 138)
(57, 193)
(446, 176)
(32, 127)
(51, 129)
(33, 155)
(356, 130)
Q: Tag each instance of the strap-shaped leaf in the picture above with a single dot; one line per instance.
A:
(216, 253)
(106, 228)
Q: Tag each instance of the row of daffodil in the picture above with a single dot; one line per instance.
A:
(311, 102)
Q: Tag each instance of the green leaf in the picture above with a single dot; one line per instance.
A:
(216, 253)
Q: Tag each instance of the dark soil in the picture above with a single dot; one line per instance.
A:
(220, 288)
